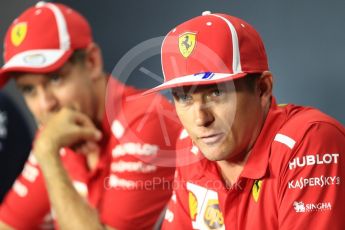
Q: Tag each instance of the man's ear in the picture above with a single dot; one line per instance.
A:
(265, 87)
(94, 61)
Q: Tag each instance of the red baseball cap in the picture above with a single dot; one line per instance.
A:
(42, 39)
(210, 49)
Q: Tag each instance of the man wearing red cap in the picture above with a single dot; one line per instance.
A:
(254, 164)
(91, 168)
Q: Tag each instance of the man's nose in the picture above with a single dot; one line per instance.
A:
(47, 100)
(203, 114)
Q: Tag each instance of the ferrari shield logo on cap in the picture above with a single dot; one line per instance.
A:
(18, 33)
(186, 43)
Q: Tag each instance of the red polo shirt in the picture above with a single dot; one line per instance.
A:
(293, 179)
(129, 187)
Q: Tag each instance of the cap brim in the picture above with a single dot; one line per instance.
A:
(196, 79)
(34, 61)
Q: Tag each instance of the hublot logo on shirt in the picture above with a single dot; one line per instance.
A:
(318, 159)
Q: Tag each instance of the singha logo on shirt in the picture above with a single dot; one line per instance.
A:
(299, 206)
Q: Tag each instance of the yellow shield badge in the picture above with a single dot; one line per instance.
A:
(193, 206)
(186, 43)
(18, 33)
(256, 189)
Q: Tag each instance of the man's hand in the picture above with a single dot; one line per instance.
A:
(67, 128)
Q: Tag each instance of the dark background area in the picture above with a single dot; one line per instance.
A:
(304, 40)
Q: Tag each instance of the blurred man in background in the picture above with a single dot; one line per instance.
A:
(91, 168)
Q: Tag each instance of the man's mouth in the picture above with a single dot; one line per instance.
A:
(211, 139)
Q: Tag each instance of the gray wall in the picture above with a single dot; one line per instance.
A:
(304, 39)
(9, 10)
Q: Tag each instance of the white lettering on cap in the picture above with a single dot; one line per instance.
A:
(35, 59)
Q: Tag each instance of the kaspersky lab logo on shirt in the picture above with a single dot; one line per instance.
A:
(299, 206)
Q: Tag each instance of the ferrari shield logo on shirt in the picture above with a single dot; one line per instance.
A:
(256, 189)
(18, 33)
(204, 208)
(186, 43)
(193, 205)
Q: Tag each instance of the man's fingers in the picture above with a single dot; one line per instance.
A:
(79, 138)
(82, 120)
(86, 140)
(86, 147)
(89, 134)
(70, 128)
(76, 117)
(86, 127)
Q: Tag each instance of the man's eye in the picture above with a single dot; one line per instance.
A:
(182, 97)
(214, 95)
(55, 78)
(26, 90)
(217, 93)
